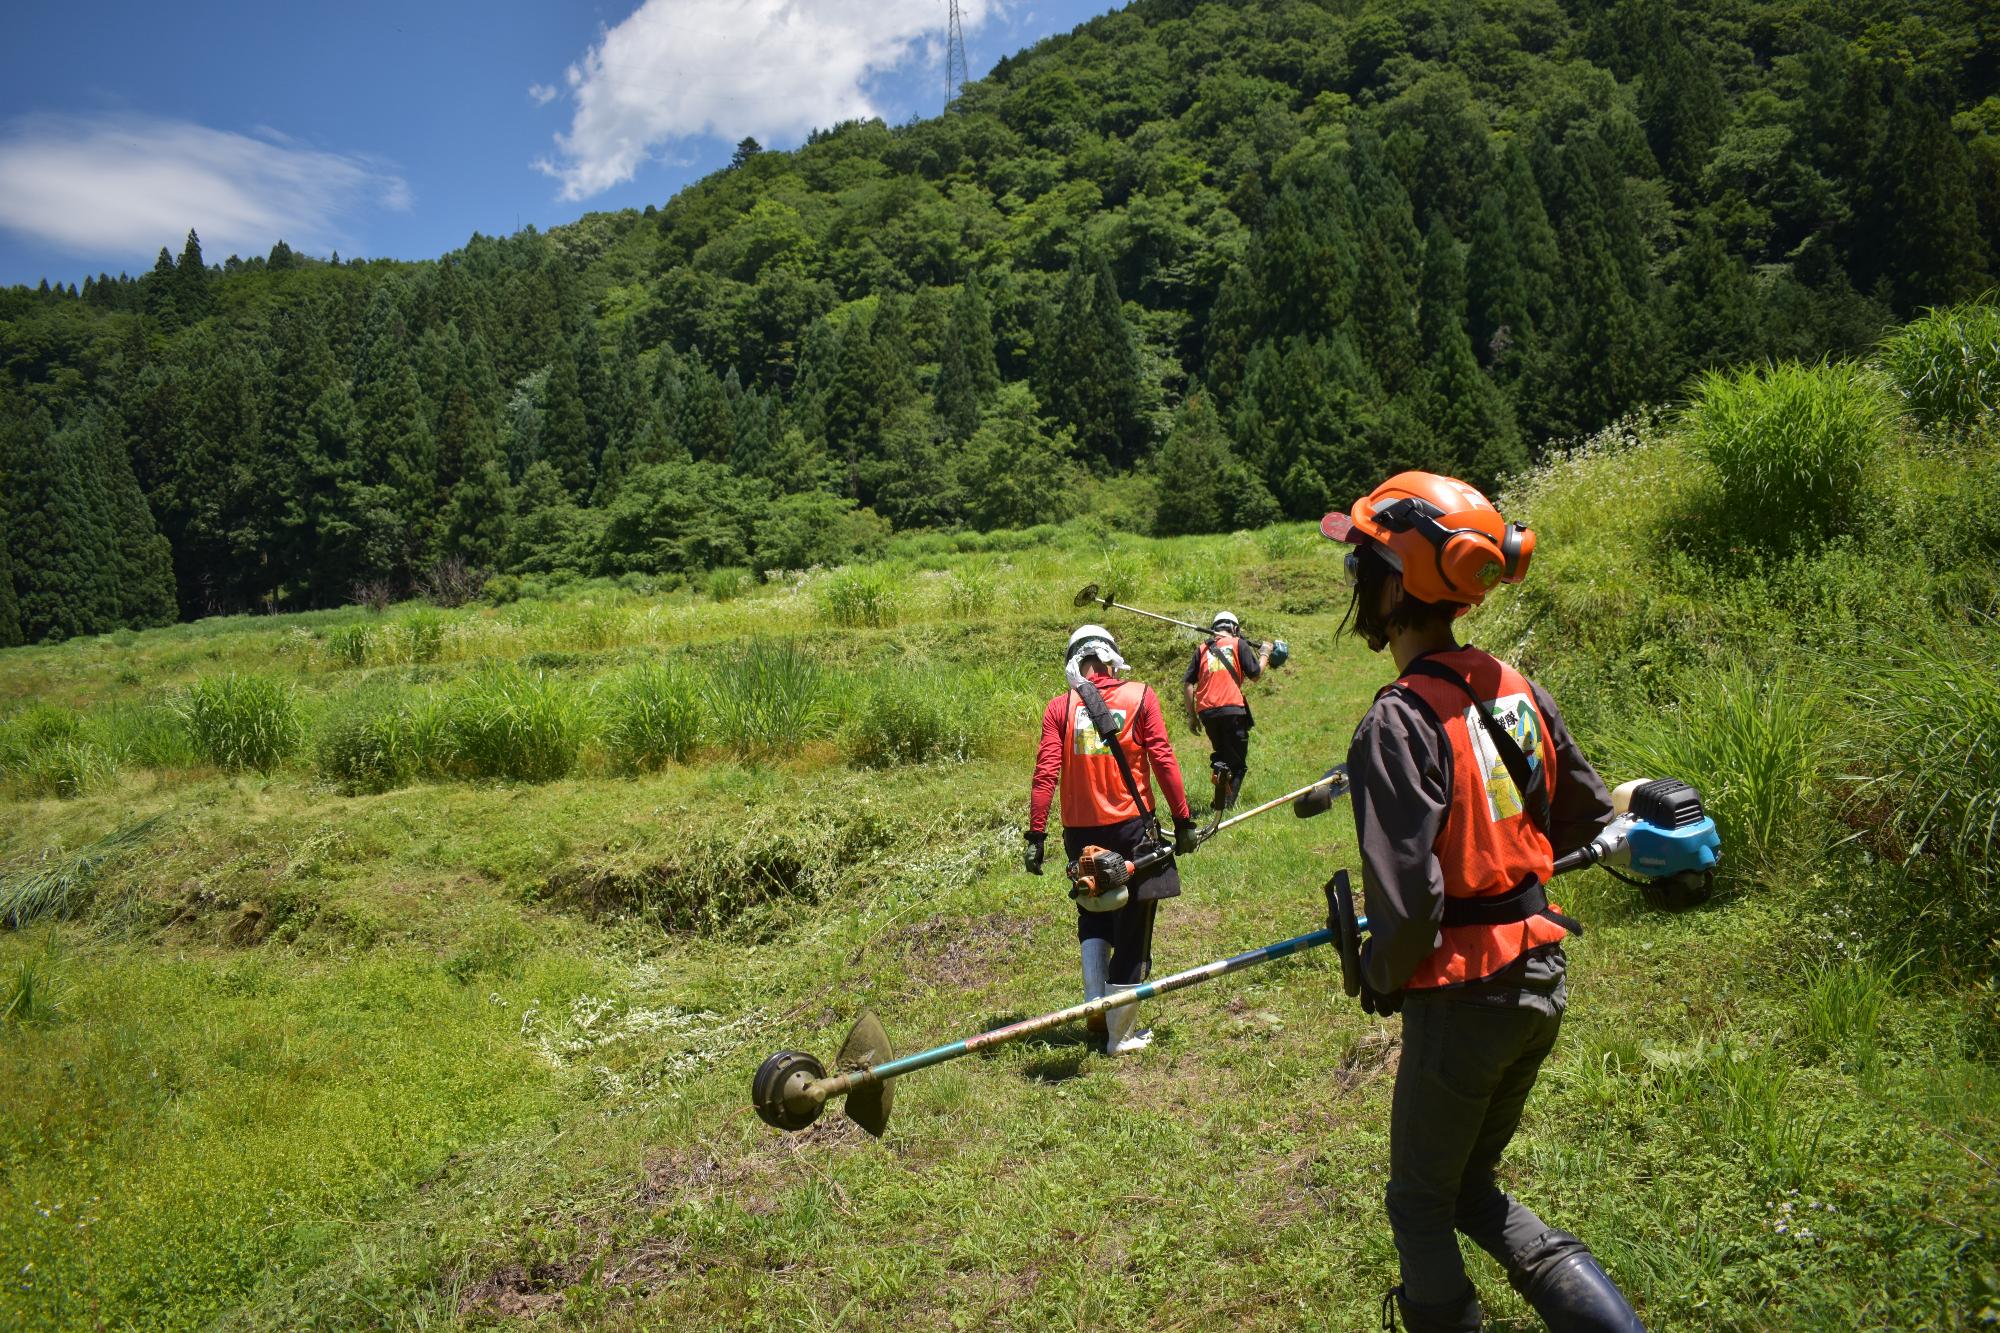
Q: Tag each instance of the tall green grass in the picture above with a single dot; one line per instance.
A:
(517, 725)
(1934, 718)
(911, 717)
(653, 716)
(1790, 449)
(1946, 365)
(241, 721)
(861, 595)
(365, 750)
(1758, 748)
(769, 697)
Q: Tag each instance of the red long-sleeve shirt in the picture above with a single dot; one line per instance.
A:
(1148, 731)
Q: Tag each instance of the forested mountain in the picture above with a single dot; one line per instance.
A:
(1254, 253)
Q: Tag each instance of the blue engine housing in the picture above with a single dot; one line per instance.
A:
(1657, 852)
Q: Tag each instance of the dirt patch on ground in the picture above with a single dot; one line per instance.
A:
(516, 1292)
(956, 951)
(1368, 1056)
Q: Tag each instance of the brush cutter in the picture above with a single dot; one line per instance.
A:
(1098, 876)
(1661, 830)
(1281, 652)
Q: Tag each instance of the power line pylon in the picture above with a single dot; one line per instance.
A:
(956, 72)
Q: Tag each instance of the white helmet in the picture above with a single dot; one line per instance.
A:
(1224, 619)
(1087, 637)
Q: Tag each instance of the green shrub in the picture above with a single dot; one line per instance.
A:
(507, 723)
(350, 645)
(1947, 364)
(241, 721)
(653, 716)
(1789, 449)
(768, 697)
(30, 994)
(860, 595)
(908, 717)
(365, 751)
(726, 584)
(1756, 747)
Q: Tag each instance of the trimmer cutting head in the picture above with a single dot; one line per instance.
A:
(779, 1092)
(786, 1094)
(1088, 596)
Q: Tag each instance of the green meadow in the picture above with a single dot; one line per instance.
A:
(408, 969)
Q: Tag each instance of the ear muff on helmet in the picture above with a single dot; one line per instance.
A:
(1469, 560)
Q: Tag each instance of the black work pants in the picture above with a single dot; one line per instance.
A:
(1470, 1058)
(1229, 738)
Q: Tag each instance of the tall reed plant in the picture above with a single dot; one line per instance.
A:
(1789, 449)
(768, 697)
(860, 595)
(241, 721)
(906, 717)
(1946, 365)
(518, 725)
(653, 716)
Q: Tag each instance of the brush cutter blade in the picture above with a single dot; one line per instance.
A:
(867, 1044)
(1347, 931)
(779, 1090)
(1088, 596)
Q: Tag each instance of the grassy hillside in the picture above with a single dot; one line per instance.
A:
(410, 968)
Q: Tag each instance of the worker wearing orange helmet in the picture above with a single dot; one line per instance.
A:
(1466, 787)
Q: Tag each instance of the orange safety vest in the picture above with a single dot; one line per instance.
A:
(1093, 792)
(1488, 847)
(1218, 681)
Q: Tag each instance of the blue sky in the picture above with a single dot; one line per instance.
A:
(400, 129)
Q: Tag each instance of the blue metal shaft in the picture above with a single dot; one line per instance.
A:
(843, 1083)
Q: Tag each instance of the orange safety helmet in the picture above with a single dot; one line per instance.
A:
(1446, 539)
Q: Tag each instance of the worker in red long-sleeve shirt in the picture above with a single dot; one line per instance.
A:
(1099, 810)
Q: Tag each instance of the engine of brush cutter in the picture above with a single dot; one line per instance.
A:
(1098, 879)
(1664, 836)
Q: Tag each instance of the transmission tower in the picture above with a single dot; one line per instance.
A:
(956, 73)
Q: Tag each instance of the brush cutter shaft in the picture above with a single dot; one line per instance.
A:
(1341, 785)
(1085, 600)
(840, 1084)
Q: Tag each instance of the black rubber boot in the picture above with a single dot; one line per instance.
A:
(1560, 1277)
(1459, 1316)
(1225, 786)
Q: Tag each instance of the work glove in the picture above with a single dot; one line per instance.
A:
(1031, 852)
(1319, 799)
(1185, 840)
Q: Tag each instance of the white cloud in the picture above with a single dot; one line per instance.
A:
(541, 94)
(769, 68)
(102, 185)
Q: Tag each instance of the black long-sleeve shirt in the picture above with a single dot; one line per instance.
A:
(1400, 764)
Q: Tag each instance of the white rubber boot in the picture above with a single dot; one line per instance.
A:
(1096, 972)
(1120, 1023)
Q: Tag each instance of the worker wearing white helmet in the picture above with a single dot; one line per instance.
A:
(1215, 701)
(1103, 742)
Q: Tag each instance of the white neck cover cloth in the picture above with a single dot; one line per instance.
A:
(1099, 649)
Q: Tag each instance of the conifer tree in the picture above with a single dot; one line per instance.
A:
(192, 282)
(10, 608)
(967, 372)
(162, 288)
(1714, 320)
(1203, 486)
(66, 563)
(565, 434)
(143, 570)
(1684, 110)
(478, 519)
(1465, 409)
(1496, 290)
(1088, 368)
